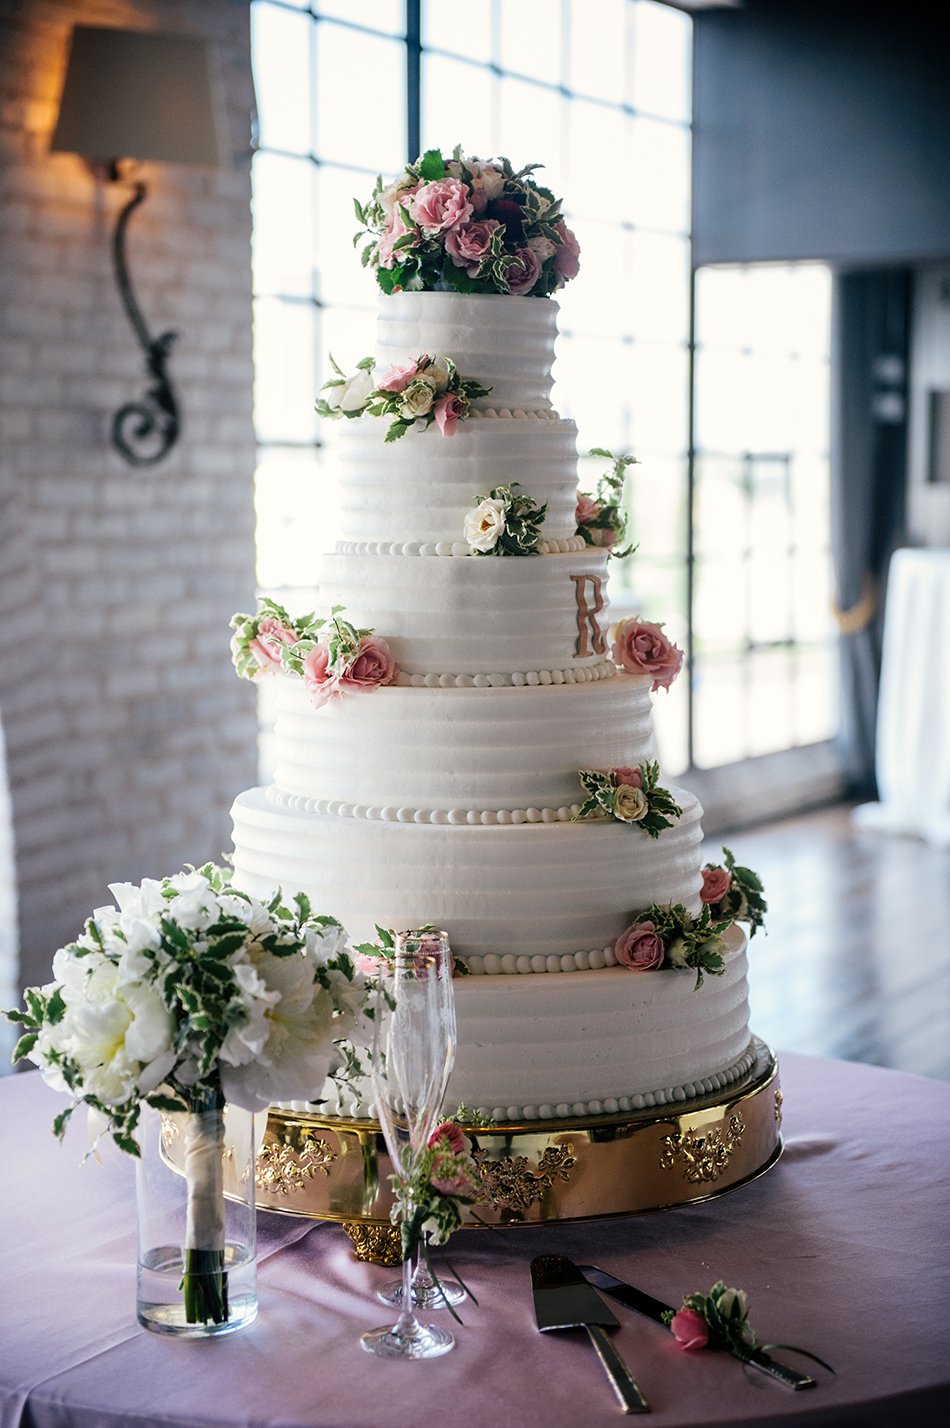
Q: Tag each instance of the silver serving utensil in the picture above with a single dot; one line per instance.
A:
(564, 1300)
(655, 1309)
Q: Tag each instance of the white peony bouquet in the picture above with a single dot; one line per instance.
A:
(186, 995)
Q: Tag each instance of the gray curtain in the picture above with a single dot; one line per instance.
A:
(868, 489)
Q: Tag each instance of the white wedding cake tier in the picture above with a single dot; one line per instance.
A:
(483, 762)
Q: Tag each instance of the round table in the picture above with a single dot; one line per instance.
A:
(842, 1248)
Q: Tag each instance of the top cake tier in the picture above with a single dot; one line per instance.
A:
(507, 343)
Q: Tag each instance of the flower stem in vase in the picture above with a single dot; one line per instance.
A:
(204, 1283)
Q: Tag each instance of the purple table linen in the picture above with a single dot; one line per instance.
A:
(842, 1248)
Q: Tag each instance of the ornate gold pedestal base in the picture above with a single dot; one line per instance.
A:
(332, 1168)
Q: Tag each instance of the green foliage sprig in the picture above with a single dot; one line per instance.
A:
(609, 792)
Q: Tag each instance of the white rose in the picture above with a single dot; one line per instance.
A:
(417, 399)
(492, 181)
(542, 247)
(392, 193)
(437, 372)
(677, 953)
(629, 803)
(353, 394)
(485, 525)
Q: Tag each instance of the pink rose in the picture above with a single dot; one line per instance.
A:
(587, 509)
(272, 635)
(633, 777)
(690, 1329)
(397, 379)
(386, 252)
(639, 948)
(470, 244)
(322, 682)
(716, 883)
(567, 258)
(522, 270)
(448, 410)
(450, 1179)
(640, 647)
(373, 665)
(442, 205)
(451, 1134)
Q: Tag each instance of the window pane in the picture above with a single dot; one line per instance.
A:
(349, 333)
(340, 276)
(589, 304)
(656, 495)
(361, 99)
(441, 28)
(283, 225)
(660, 175)
(591, 384)
(662, 39)
(598, 48)
(655, 291)
(281, 46)
(285, 383)
(531, 127)
(659, 395)
(389, 16)
(291, 499)
(596, 134)
(458, 107)
(530, 41)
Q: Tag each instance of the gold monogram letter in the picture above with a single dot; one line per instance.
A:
(587, 626)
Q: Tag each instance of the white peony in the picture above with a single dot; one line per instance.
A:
(294, 1060)
(485, 525)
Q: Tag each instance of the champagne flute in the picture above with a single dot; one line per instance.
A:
(413, 1055)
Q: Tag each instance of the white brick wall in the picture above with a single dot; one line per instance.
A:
(126, 732)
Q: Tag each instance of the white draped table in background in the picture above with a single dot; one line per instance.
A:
(913, 722)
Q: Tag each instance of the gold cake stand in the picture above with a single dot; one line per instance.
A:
(532, 1173)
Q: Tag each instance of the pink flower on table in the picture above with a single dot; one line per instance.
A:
(469, 244)
(567, 258)
(451, 1134)
(448, 412)
(640, 948)
(322, 682)
(716, 883)
(441, 205)
(627, 775)
(587, 509)
(272, 636)
(522, 270)
(689, 1329)
(449, 1178)
(640, 647)
(373, 665)
(397, 379)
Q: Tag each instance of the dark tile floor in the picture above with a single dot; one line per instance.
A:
(856, 963)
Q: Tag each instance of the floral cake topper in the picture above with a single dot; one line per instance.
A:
(466, 225)
(330, 655)
(426, 390)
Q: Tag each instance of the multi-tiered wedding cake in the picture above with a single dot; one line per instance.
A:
(462, 740)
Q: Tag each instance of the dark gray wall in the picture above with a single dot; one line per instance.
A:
(822, 131)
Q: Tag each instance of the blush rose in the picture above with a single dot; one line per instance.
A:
(441, 205)
(640, 647)
(272, 635)
(321, 680)
(397, 379)
(689, 1329)
(639, 947)
(716, 883)
(522, 270)
(448, 411)
(374, 665)
(587, 509)
(567, 258)
(469, 244)
(451, 1134)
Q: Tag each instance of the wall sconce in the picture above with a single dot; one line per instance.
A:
(131, 95)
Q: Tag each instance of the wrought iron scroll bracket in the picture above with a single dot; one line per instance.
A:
(143, 431)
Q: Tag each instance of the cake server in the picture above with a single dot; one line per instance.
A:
(564, 1300)
(655, 1309)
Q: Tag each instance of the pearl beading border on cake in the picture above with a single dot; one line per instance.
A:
(665, 1096)
(570, 545)
(585, 674)
(455, 817)
(531, 413)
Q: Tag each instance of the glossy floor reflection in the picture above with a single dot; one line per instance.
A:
(856, 963)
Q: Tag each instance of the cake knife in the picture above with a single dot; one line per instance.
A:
(655, 1309)
(563, 1299)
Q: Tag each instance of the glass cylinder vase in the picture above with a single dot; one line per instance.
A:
(196, 1220)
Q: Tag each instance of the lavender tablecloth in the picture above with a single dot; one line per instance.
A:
(843, 1248)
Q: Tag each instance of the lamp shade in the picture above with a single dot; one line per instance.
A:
(129, 94)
